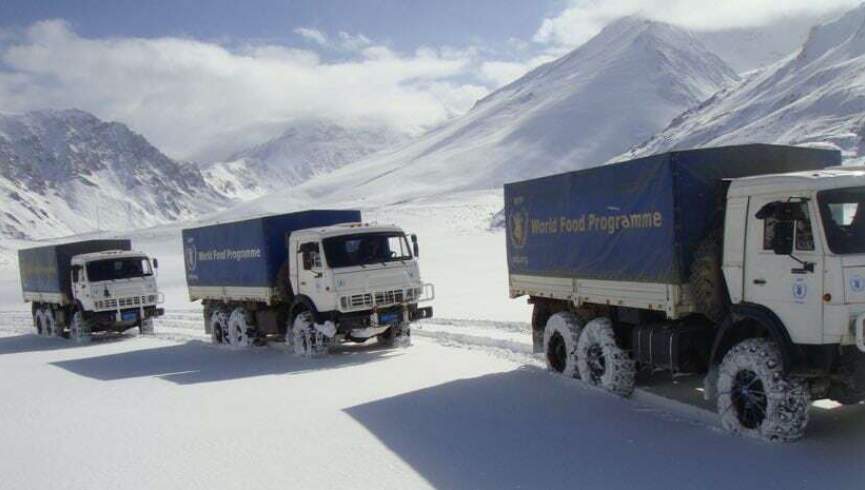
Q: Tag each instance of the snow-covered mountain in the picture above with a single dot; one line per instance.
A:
(306, 149)
(64, 172)
(814, 97)
(616, 90)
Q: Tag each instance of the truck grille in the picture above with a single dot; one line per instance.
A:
(378, 298)
(130, 301)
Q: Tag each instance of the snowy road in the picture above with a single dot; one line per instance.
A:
(467, 406)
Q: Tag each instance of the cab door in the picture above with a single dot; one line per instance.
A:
(791, 289)
(311, 280)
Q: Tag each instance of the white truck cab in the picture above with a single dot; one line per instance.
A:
(361, 278)
(90, 286)
(116, 287)
(795, 244)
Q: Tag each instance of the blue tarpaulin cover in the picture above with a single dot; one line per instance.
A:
(639, 220)
(249, 253)
(47, 269)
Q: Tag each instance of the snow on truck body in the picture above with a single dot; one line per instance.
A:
(89, 286)
(314, 277)
(697, 262)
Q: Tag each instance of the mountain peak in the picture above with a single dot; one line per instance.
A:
(849, 29)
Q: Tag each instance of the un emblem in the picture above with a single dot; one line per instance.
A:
(519, 227)
(191, 258)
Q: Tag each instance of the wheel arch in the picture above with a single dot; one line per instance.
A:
(303, 303)
(749, 320)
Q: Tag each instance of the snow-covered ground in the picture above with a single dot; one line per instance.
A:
(175, 412)
(459, 253)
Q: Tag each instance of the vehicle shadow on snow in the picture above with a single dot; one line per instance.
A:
(197, 362)
(19, 344)
(528, 429)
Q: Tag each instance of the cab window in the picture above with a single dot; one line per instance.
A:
(804, 238)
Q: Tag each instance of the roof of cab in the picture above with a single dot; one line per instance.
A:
(812, 180)
(111, 254)
(350, 229)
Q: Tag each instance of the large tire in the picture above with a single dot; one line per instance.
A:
(52, 328)
(145, 327)
(756, 399)
(218, 325)
(39, 321)
(240, 328)
(395, 337)
(600, 360)
(306, 340)
(80, 328)
(707, 280)
(561, 337)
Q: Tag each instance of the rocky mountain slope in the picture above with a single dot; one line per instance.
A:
(815, 97)
(616, 90)
(305, 150)
(64, 172)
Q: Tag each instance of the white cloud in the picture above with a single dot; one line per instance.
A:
(313, 35)
(192, 98)
(582, 19)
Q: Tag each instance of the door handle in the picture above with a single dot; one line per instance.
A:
(760, 282)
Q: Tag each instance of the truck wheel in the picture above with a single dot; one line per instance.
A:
(218, 325)
(561, 337)
(754, 396)
(395, 337)
(50, 323)
(39, 321)
(79, 328)
(306, 339)
(145, 327)
(239, 327)
(600, 360)
(707, 279)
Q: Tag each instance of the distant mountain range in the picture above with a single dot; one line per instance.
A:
(305, 150)
(815, 97)
(637, 88)
(65, 172)
(617, 90)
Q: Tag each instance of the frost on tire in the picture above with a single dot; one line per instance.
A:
(561, 335)
(237, 331)
(602, 362)
(146, 327)
(754, 396)
(218, 325)
(395, 337)
(79, 328)
(306, 340)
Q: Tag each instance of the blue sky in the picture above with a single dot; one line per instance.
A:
(403, 24)
(203, 79)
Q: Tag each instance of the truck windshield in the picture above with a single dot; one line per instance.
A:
(122, 268)
(364, 249)
(843, 213)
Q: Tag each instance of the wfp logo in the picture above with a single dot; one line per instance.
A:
(191, 253)
(518, 224)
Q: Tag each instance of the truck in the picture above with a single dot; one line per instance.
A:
(743, 264)
(81, 288)
(310, 278)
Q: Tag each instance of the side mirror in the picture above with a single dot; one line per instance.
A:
(76, 270)
(788, 211)
(414, 245)
(782, 240)
(155, 263)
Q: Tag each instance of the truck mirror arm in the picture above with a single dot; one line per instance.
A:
(806, 266)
